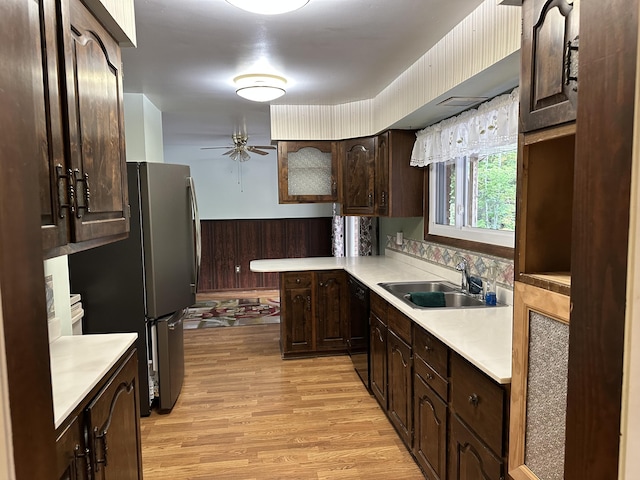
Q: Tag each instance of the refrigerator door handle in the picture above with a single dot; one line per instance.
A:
(172, 326)
(196, 230)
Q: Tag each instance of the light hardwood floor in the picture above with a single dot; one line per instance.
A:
(244, 413)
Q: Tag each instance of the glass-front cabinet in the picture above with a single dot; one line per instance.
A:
(308, 172)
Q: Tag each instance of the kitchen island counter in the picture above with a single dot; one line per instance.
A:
(481, 335)
(78, 363)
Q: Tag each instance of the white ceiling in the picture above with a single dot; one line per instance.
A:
(331, 52)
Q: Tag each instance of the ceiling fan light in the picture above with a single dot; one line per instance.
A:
(269, 7)
(260, 87)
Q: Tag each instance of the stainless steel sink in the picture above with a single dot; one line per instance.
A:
(402, 288)
(453, 296)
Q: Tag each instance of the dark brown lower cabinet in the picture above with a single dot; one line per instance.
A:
(430, 430)
(469, 457)
(331, 311)
(399, 378)
(101, 439)
(378, 359)
(296, 314)
(313, 312)
(72, 452)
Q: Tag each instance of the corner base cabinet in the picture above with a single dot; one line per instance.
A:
(313, 317)
(101, 437)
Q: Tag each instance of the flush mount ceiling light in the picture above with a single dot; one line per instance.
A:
(260, 87)
(269, 7)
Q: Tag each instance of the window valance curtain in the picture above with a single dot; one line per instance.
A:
(492, 127)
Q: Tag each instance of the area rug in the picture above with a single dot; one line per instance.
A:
(233, 312)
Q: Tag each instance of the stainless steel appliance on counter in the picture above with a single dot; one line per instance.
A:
(358, 341)
(145, 283)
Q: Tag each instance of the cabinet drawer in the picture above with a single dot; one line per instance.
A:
(431, 350)
(479, 401)
(379, 306)
(297, 279)
(400, 324)
(431, 377)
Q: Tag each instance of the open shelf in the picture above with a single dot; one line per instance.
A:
(545, 206)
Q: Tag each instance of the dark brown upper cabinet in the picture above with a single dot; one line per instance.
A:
(549, 68)
(377, 177)
(308, 172)
(358, 176)
(80, 124)
(399, 186)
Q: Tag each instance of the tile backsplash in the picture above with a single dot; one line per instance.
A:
(445, 256)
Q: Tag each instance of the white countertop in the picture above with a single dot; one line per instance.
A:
(78, 363)
(481, 335)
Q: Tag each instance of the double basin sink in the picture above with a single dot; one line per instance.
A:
(454, 297)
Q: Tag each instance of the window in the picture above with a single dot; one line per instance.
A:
(474, 198)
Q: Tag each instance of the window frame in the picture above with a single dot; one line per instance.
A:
(461, 243)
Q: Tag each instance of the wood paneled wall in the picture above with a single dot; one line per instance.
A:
(228, 246)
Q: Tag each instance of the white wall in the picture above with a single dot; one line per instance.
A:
(229, 190)
(143, 129)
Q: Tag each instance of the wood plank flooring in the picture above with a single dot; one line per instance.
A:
(244, 413)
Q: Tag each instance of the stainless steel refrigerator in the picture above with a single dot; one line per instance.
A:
(145, 283)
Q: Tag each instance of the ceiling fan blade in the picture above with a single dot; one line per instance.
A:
(259, 152)
(211, 148)
(229, 151)
(244, 156)
(265, 147)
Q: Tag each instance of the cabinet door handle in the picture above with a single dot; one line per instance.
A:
(297, 280)
(309, 303)
(474, 399)
(427, 348)
(76, 457)
(572, 46)
(429, 376)
(66, 199)
(371, 199)
(80, 178)
(383, 201)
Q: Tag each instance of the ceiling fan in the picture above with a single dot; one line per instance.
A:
(240, 150)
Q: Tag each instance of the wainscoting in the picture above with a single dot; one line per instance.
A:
(228, 246)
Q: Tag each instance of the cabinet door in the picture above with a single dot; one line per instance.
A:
(399, 371)
(378, 359)
(430, 423)
(358, 177)
(296, 319)
(72, 453)
(308, 172)
(549, 85)
(96, 126)
(469, 458)
(331, 311)
(113, 426)
(382, 175)
(53, 176)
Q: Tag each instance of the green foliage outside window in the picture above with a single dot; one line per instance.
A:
(493, 192)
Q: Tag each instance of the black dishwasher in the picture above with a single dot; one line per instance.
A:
(358, 340)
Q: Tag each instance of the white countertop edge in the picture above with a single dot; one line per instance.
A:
(481, 336)
(78, 363)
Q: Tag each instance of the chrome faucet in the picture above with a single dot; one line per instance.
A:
(463, 267)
